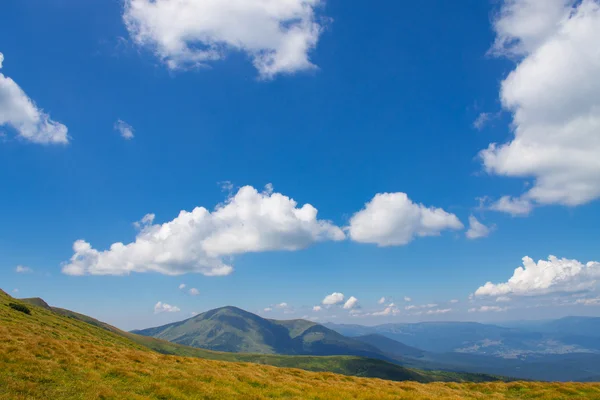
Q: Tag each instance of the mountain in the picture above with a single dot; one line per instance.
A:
(540, 351)
(390, 346)
(346, 365)
(50, 354)
(235, 330)
(570, 335)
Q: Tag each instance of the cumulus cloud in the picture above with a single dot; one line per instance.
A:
(381, 300)
(21, 269)
(317, 308)
(333, 298)
(554, 97)
(194, 292)
(513, 206)
(124, 129)
(544, 277)
(389, 310)
(487, 309)
(392, 219)
(19, 112)
(282, 305)
(201, 241)
(277, 35)
(268, 309)
(182, 286)
(351, 303)
(477, 230)
(161, 307)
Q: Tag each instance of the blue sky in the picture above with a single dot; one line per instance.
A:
(332, 105)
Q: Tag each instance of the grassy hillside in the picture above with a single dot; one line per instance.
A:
(347, 365)
(45, 355)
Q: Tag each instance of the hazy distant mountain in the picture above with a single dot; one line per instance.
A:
(390, 346)
(561, 350)
(567, 335)
(234, 330)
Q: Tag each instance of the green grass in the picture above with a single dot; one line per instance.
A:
(47, 355)
(346, 365)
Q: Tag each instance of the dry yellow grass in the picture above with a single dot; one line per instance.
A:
(46, 356)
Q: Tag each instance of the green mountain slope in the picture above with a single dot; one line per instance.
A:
(345, 365)
(234, 330)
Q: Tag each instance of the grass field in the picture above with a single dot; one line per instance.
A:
(49, 356)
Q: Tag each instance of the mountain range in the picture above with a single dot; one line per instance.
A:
(561, 350)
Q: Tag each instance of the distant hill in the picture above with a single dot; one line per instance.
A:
(390, 346)
(234, 330)
(540, 350)
(53, 354)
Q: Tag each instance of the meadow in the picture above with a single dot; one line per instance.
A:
(45, 355)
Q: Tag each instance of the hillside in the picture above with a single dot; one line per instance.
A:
(390, 346)
(234, 330)
(46, 355)
(347, 365)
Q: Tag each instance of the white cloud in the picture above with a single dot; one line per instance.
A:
(193, 313)
(381, 300)
(554, 96)
(552, 276)
(194, 292)
(589, 302)
(453, 301)
(513, 206)
(282, 305)
(201, 241)
(439, 311)
(18, 111)
(389, 310)
(124, 129)
(481, 120)
(392, 219)
(277, 35)
(407, 299)
(317, 308)
(161, 307)
(351, 303)
(182, 286)
(487, 309)
(268, 309)
(21, 269)
(503, 299)
(146, 220)
(477, 229)
(332, 299)
(414, 307)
